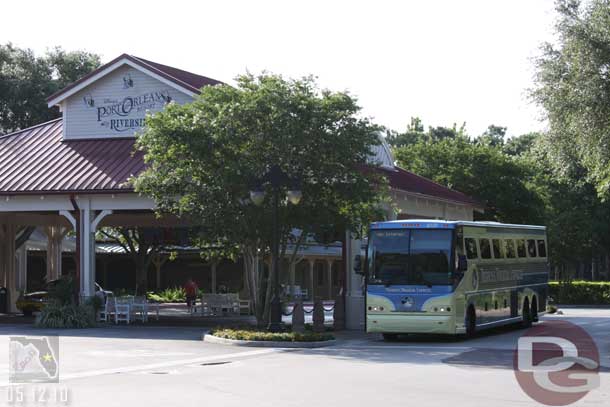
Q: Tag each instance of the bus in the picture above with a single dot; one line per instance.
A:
(453, 277)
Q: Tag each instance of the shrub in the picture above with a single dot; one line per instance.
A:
(62, 291)
(580, 292)
(174, 294)
(57, 315)
(255, 335)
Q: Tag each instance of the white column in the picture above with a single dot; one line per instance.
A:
(312, 282)
(88, 224)
(354, 298)
(55, 236)
(329, 273)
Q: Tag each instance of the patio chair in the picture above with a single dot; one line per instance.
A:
(139, 308)
(107, 310)
(232, 304)
(122, 309)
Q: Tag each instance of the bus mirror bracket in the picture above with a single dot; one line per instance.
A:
(462, 263)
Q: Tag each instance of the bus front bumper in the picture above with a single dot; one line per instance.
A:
(410, 323)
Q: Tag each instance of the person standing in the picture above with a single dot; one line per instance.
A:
(191, 290)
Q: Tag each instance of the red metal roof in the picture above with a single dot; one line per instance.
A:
(410, 182)
(188, 80)
(36, 160)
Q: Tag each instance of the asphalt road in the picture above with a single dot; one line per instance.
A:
(156, 366)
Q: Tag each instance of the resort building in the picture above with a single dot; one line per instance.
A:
(70, 175)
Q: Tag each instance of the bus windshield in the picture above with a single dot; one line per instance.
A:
(410, 257)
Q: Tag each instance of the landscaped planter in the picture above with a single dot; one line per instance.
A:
(307, 344)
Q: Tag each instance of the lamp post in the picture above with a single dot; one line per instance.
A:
(277, 179)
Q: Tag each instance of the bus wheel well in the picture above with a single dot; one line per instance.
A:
(534, 309)
(471, 320)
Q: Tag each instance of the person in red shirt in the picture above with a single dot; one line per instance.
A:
(191, 290)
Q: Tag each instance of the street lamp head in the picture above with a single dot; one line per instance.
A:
(257, 196)
(294, 196)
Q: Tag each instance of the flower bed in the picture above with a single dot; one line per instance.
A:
(254, 335)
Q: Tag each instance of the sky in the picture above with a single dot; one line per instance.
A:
(441, 60)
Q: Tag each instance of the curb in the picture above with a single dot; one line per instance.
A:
(568, 306)
(267, 344)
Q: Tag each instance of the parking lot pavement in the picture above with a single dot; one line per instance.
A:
(171, 366)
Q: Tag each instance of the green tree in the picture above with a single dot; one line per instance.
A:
(516, 146)
(573, 87)
(26, 80)
(479, 170)
(204, 157)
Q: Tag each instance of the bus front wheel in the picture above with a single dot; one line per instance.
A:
(471, 322)
(534, 309)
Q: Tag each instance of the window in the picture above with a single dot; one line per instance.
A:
(410, 257)
(541, 248)
(531, 248)
(521, 248)
(471, 248)
(509, 249)
(485, 248)
(497, 248)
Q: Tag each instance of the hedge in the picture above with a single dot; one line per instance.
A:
(253, 335)
(580, 292)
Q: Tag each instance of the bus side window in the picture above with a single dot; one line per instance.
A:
(521, 248)
(497, 249)
(471, 248)
(541, 248)
(531, 248)
(509, 246)
(485, 248)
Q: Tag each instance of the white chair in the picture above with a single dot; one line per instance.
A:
(122, 309)
(107, 310)
(139, 308)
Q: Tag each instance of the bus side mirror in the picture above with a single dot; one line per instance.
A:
(462, 263)
(358, 264)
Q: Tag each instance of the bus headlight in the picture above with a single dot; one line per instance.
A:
(376, 309)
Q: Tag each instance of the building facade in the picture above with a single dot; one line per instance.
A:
(71, 174)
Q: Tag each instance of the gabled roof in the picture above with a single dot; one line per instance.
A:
(188, 82)
(407, 181)
(37, 161)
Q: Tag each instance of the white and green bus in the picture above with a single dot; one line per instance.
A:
(453, 277)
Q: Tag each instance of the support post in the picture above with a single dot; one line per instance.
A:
(312, 263)
(55, 236)
(213, 271)
(329, 272)
(292, 269)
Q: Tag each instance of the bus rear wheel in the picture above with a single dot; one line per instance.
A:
(526, 314)
(390, 337)
(534, 309)
(471, 322)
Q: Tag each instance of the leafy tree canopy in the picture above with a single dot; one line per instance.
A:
(205, 157)
(26, 80)
(573, 87)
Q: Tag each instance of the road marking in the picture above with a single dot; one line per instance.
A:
(161, 365)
